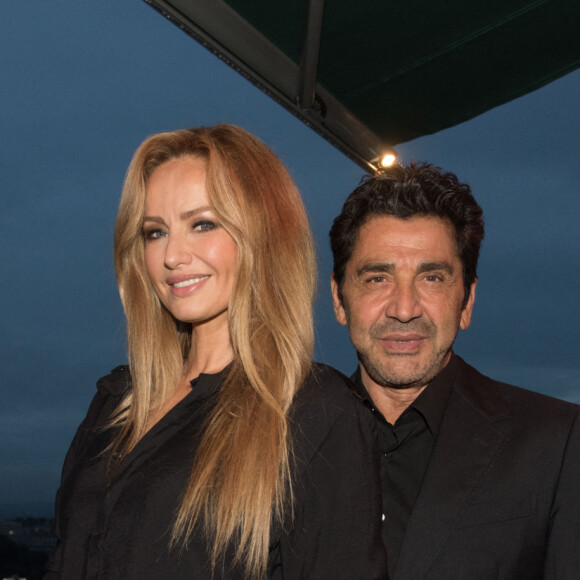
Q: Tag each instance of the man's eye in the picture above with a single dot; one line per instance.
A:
(433, 278)
(376, 279)
(153, 234)
(204, 226)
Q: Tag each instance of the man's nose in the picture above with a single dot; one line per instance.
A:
(403, 303)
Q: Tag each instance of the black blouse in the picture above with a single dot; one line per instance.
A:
(116, 524)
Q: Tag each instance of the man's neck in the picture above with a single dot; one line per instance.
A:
(391, 402)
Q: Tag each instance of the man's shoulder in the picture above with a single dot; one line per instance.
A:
(517, 401)
(325, 405)
(326, 391)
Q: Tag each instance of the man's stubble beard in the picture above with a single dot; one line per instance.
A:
(378, 369)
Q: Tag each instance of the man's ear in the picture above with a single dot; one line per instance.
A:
(465, 319)
(339, 312)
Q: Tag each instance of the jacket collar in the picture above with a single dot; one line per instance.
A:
(472, 433)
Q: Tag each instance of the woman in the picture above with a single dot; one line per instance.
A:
(220, 451)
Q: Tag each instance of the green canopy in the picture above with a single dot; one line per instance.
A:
(368, 74)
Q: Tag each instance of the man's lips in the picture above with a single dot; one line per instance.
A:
(403, 336)
(407, 342)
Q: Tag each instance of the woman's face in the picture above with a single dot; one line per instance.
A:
(190, 258)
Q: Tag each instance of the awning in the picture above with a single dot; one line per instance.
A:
(369, 74)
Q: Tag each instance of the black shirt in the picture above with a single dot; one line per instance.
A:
(115, 524)
(406, 449)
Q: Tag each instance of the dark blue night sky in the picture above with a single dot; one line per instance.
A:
(83, 83)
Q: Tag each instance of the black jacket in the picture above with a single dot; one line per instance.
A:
(501, 496)
(114, 525)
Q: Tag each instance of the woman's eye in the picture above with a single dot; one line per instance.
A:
(153, 234)
(204, 225)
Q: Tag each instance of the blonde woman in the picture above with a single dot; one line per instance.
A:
(221, 451)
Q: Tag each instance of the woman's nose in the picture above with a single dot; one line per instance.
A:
(176, 252)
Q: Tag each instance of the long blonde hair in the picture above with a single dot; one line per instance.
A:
(240, 483)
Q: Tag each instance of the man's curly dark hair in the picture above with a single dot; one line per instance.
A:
(407, 191)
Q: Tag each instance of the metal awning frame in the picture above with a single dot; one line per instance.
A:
(297, 89)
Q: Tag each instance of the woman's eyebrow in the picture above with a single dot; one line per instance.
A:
(184, 216)
(150, 218)
(189, 214)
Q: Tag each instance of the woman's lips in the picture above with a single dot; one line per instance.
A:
(185, 285)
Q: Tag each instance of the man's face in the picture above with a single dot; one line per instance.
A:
(402, 299)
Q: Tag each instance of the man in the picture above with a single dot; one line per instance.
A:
(481, 480)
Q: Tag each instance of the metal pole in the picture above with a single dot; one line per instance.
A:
(309, 62)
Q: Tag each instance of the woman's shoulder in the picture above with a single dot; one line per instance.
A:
(116, 384)
(111, 389)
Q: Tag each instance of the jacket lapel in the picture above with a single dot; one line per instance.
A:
(467, 441)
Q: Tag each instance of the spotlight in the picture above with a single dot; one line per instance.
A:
(387, 159)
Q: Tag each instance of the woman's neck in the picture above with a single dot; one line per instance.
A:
(211, 350)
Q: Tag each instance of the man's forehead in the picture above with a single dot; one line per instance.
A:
(383, 237)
